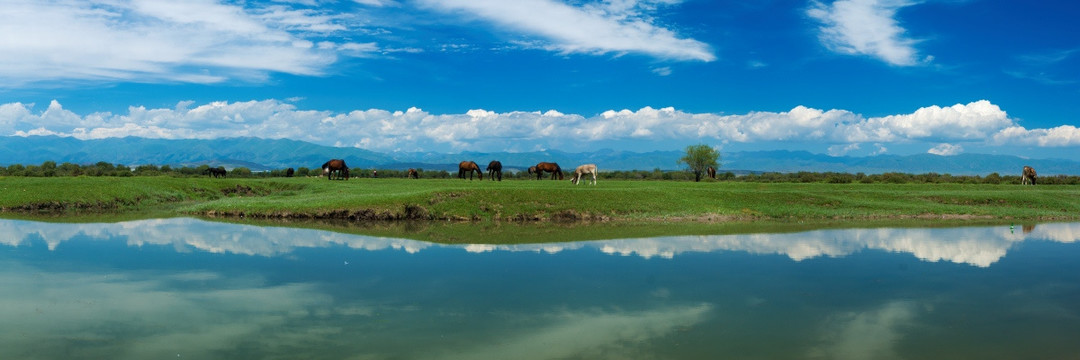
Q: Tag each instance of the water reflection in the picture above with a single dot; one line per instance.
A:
(186, 288)
(978, 246)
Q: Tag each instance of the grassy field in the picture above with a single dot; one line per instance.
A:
(528, 200)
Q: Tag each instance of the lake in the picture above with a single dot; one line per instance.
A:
(188, 288)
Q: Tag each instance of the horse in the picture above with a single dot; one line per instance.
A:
(469, 166)
(494, 169)
(374, 173)
(583, 170)
(711, 171)
(289, 172)
(335, 166)
(1028, 176)
(215, 172)
(552, 168)
(413, 174)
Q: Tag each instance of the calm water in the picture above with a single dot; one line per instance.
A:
(185, 288)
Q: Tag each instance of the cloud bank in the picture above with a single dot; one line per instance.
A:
(979, 122)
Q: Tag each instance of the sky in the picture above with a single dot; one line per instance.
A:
(843, 77)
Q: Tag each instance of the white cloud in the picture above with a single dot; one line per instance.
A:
(613, 27)
(840, 131)
(1065, 135)
(147, 41)
(946, 149)
(866, 27)
(587, 334)
(976, 120)
(870, 334)
(377, 3)
(841, 150)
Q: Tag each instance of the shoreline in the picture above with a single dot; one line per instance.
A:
(528, 201)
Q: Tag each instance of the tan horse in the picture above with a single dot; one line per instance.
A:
(584, 170)
(469, 166)
(1028, 176)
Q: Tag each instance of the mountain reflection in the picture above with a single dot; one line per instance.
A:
(978, 246)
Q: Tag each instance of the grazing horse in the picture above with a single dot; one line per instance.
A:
(469, 166)
(413, 174)
(583, 170)
(374, 173)
(335, 166)
(552, 168)
(216, 172)
(1028, 176)
(494, 169)
(711, 171)
(289, 172)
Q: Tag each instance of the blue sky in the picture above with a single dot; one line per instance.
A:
(846, 77)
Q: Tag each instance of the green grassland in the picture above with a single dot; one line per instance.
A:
(528, 200)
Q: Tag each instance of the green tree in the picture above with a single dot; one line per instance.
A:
(699, 158)
(241, 172)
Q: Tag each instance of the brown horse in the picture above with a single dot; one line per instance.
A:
(494, 169)
(338, 166)
(216, 172)
(584, 170)
(1028, 176)
(552, 168)
(469, 166)
(413, 174)
(711, 171)
(289, 172)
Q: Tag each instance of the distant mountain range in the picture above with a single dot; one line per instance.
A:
(266, 154)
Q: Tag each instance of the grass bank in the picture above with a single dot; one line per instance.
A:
(529, 200)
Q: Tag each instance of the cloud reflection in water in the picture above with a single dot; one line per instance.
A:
(978, 246)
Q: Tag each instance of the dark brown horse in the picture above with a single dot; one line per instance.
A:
(1028, 176)
(552, 168)
(336, 166)
(494, 169)
(413, 174)
(289, 172)
(469, 166)
(216, 172)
